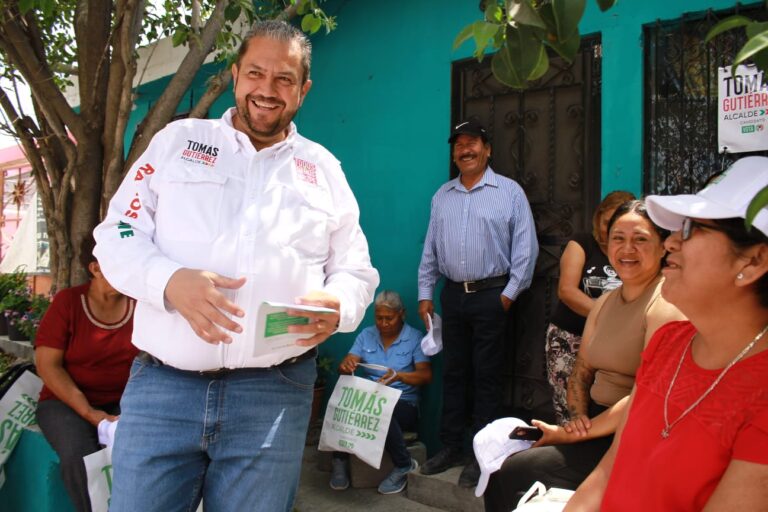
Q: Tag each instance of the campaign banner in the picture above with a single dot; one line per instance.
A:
(17, 411)
(357, 418)
(742, 121)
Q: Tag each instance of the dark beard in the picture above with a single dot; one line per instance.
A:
(273, 129)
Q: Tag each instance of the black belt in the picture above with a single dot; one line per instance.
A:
(481, 284)
(147, 358)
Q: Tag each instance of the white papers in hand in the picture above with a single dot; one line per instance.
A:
(272, 325)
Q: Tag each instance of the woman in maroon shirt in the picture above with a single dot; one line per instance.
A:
(83, 353)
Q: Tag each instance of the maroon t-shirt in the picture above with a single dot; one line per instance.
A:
(97, 355)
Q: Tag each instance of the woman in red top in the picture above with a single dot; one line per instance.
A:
(696, 435)
(83, 353)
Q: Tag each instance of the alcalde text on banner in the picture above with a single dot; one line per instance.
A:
(742, 121)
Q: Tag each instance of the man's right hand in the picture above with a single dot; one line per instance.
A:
(426, 309)
(194, 295)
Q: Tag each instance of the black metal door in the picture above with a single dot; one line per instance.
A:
(547, 138)
(681, 150)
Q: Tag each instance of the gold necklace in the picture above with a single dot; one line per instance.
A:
(667, 425)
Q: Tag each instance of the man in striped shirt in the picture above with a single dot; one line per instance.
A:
(482, 240)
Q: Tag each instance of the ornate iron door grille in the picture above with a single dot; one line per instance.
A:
(680, 149)
(547, 138)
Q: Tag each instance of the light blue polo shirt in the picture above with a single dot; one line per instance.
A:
(401, 356)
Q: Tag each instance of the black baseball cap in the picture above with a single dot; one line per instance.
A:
(468, 128)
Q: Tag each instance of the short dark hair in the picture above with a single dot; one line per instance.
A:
(86, 256)
(742, 239)
(279, 31)
(636, 206)
(611, 200)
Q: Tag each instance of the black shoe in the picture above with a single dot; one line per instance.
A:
(443, 460)
(470, 475)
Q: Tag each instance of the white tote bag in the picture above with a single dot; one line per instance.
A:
(98, 467)
(17, 410)
(357, 418)
(540, 499)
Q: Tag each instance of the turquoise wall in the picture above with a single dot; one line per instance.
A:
(33, 479)
(380, 101)
(621, 29)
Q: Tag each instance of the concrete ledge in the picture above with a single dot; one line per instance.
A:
(22, 349)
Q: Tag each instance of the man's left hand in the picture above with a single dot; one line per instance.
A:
(506, 302)
(321, 325)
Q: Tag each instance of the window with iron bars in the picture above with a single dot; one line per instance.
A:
(680, 141)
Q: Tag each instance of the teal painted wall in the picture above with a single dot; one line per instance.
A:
(622, 107)
(33, 479)
(380, 101)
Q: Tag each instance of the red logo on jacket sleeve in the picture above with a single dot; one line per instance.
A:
(306, 171)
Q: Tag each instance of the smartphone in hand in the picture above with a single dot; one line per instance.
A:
(526, 433)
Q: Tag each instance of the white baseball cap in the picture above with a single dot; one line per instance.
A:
(492, 447)
(726, 197)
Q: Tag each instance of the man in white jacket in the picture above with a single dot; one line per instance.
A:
(214, 219)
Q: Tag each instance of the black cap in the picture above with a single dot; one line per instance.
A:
(468, 128)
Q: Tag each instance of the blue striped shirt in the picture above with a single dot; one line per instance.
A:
(479, 233)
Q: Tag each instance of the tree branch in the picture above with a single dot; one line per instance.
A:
(124, 64)
(19, 48)
(165, 106)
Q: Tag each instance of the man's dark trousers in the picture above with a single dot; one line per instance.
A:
(474, 325)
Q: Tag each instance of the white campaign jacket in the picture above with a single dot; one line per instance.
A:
(202, 197)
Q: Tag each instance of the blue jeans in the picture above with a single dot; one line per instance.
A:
(235, 440)
(72, 438)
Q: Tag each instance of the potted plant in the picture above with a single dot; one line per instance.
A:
(30, 320)
(325, 368)
(14, 281)
(15, 303)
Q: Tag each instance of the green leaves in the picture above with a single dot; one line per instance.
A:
(312, 17)
(566, 49)
(483, 32)
(522, 31)
(759, 202)
(493, 13)
(311, 23)
(754, 45)
(232, 12)
(180, 36)
(521, 12)
(727, 24)
(464, 35)
(568, 14)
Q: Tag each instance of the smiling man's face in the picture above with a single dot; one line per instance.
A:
(471, 154)
(269, 89)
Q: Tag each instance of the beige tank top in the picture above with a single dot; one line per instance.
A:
(617, 342)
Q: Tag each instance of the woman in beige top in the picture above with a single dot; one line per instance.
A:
(617, 330)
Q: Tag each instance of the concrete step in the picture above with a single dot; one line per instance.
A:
(316, 496)
(441, 491)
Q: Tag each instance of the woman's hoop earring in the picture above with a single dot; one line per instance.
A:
(739, 276)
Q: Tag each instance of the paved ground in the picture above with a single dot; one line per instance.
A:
(316, 496)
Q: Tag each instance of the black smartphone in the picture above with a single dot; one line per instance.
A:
(526, 433)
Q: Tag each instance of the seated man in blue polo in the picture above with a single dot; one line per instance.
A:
(392, 348)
